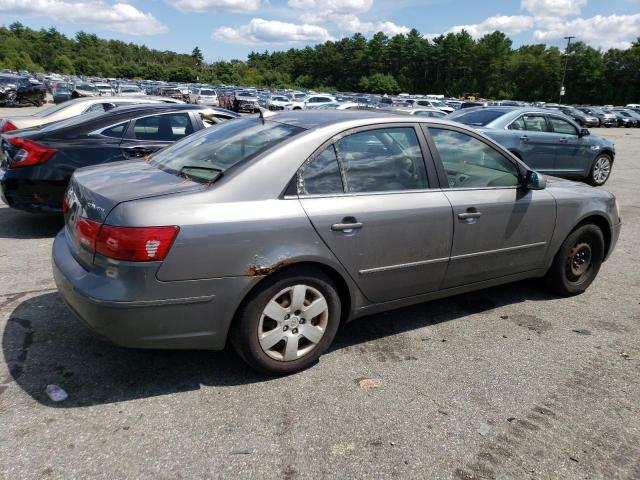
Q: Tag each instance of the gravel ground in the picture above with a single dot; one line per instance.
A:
(509, 382)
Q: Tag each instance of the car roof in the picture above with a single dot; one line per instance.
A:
(309, 119)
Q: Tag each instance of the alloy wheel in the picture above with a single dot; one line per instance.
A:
(601, 169)
(293, 323)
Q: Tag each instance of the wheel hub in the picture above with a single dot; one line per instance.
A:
(579, 259)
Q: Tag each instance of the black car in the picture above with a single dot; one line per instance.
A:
(36, 164)
(17, 90)
(61, 93)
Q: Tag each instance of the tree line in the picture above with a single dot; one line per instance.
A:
(452, 64)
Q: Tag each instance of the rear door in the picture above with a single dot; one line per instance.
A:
(537, 147)
(384, 217)
(151, 133)
(500, 228)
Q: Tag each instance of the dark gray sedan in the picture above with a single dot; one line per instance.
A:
(545, 140)
(270, 232)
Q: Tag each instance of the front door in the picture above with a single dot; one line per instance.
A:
(386, 227)
(537, 147)
(571, 158)
(500, 228)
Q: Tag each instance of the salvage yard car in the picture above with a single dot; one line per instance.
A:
(17, 90)
(546, 141)
(36, 164)
(271, 232)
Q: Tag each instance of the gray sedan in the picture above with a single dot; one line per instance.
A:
(270, 232)
(545, 140)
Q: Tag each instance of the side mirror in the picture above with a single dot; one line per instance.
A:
(535, 181)
(584, 132)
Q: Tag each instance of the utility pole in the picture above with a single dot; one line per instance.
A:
(566, 61)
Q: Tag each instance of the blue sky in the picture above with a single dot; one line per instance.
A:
(226, 29)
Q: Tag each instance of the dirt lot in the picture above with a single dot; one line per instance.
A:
(509, 382)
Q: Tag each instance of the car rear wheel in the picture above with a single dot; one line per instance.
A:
(287, 323)
(600, 170)
(577, 262)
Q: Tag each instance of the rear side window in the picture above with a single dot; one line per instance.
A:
(381, 160)
(470, 163)
(116, 131)
(322, 175)
(167, 128)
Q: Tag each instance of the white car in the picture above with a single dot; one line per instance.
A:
(204, 96)
(130, 91)
(278, 102)
(104, 89)
(434, 104)
(311, 102)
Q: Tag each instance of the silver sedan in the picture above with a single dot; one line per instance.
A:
(271, 232)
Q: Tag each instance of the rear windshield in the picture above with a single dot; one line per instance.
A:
(479, 118)
(207, 92)
(204, 155)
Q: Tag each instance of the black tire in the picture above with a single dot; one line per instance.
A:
(578, 261)
(244, 330)
(596, 178)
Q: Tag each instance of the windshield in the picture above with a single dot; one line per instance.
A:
(48, 111)
(280, 99)
(204, 155)
(437, 103)
(130, 89)
(7, 81)
(86, 86)
(478, 118)
(208, 92)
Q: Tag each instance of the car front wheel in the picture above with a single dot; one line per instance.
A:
(600, 170)
(577, 262)
(287, 323)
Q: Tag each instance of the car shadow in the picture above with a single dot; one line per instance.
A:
(43, 344)
(24, 225)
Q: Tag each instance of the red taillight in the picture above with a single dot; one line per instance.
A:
(87, 231)
(137, 244)
(65, 205)
(7, 126)
(30, 153)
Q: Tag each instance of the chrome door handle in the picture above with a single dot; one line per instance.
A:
(563, 140)
(342, 227)
(466, 215)
(524, 138)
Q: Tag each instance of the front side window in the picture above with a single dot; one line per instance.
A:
(380, 160)
(562, 126)
(470, 163)
(321, 176)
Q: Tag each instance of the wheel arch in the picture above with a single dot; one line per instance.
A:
(346, 291)
(602, 223)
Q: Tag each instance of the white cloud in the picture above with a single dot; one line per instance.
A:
(215, 5)
(553, 8)
(503, 23)
(325, 8)
(613, 31)
(344, 15)
(259, 31)
(117, 17)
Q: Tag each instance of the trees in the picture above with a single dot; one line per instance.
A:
(452, 64)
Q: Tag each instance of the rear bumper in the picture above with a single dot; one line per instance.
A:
(19, 191)
(178, 315)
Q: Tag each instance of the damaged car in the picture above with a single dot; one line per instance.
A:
(271, 231)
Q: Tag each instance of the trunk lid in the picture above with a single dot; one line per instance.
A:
(94, 191)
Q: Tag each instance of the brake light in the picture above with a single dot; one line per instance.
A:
(65, 205)
(138, 244)
(7, 126)
(30, 153)
(87, 231)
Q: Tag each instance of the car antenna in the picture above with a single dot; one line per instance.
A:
(264, 114)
